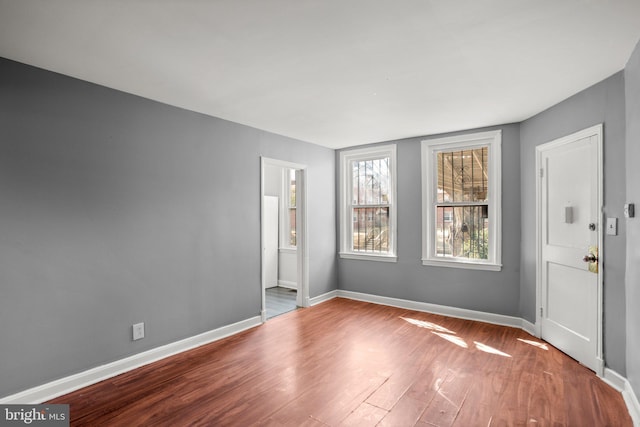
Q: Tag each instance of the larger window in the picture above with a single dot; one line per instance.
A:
(367, 203)
(461, 201)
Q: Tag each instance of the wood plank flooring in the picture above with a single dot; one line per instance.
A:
(349, 363)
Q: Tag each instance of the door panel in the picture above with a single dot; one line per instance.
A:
(568, 169)
(564, 290)
(569, 206)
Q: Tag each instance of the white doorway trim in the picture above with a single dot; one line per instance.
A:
(596, 131)
(302, 250)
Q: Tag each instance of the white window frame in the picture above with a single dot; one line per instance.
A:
(346, 187)
(429, 150)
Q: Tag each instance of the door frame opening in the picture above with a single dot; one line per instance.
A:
(302, 258)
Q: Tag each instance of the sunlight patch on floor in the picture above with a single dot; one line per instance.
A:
(450, 336)
(453, 339)
(488, 349)
(535, 344)
(427, 325)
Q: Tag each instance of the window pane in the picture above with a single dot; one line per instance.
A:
(371, 182)
(371, 230)
(463, 175)
(444, 221)
(292, 226)
(457, 176)
(292, 188)
(462, 232)
(290, 200)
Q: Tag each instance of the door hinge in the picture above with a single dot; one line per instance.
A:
(541, 172)
(540, 311)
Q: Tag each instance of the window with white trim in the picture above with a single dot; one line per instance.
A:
(289, 192)
(368, 203)
(461, 215)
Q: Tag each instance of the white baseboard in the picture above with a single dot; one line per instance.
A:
(621, 384)
(287, 284)
(74, 382)
(633, 405)
(614, 379)
(322, 298)
(461, 313)
(529, 328)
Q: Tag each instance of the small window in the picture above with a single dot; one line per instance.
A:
(289, 192)
(368, 210)
(461, 201)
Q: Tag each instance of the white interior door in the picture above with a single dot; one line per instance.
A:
(569, 206)
(270, 243)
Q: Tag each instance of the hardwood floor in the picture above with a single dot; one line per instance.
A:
(349, 363)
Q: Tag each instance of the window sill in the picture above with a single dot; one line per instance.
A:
(369, 257)
(289, 250)
(462, 264)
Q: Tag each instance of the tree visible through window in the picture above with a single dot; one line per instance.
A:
(370, 179)
(367, 203)
(462, 206)
(462, 201)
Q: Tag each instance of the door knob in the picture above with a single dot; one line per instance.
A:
(592, 259)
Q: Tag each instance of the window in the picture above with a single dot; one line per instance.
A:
(462, 201)
(367, 203)
(290, 206)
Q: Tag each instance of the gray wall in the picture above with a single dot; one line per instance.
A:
(117, 210)
(632, 87)
(488, 291)
(601, 103)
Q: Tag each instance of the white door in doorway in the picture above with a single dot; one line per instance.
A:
(569, 200)
(270, 243)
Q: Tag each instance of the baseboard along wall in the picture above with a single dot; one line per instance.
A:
(287, 284)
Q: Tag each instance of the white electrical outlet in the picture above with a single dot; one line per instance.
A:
(138, 331)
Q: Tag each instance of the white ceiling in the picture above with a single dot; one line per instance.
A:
(333, 72)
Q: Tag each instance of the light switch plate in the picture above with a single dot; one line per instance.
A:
(612, 226)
